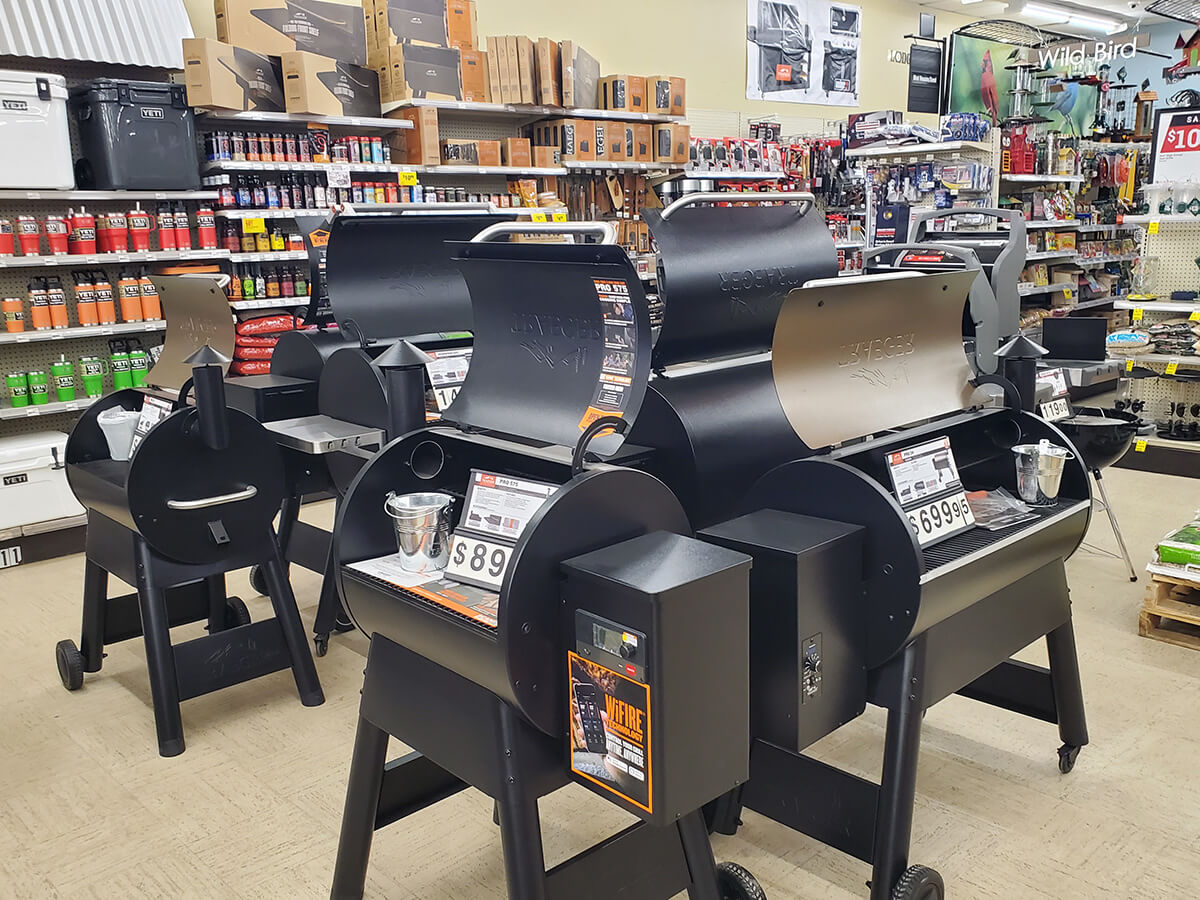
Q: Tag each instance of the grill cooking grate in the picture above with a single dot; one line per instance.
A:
(957, 547)
(388, 588)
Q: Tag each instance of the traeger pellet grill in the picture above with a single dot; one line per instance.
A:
(389, 277)
(580, 647)
(868, 584)
(195, 499)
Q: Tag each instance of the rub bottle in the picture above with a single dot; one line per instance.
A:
(151, 306)
(39, 305)
(247, 284)
(106, 306)
(234, 289)
(85, 299)
(56, 299)
(131, 298)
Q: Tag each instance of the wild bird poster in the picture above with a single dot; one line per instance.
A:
(980, 82)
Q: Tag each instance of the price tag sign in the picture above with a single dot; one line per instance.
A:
(1194, 317)
(1139, 446)
(499, 506)
(1129, 365)
(408, 179)
(1068, 293)
(478, 561)
(1172, 367)
(537, 217)
(447, 370)
(559, 217)
(926, 482)
(1055, 409)
(256, 225)
(1137, 314)
(338, 175)
(445, 396)
(1153, 228)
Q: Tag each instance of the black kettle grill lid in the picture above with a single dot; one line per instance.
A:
(562, 338)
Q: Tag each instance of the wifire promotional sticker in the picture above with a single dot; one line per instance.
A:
(620, 352)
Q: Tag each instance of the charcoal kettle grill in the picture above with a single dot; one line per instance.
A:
(603, 581)
(196, 499)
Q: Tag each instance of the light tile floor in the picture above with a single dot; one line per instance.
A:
(252, 809)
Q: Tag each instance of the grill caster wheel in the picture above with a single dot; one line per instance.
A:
(1066, 758)
(735, 883)
(258, 580)
(70, 664)
(919, 883)
(236, 613)
(321, 644)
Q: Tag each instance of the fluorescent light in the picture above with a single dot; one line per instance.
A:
(969, 2)
(1065, 16)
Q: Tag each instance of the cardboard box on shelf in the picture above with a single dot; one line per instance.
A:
(526, 69)
(630, 141)
(615, 93)
(223, 77)
(547, 157)
(410, 22)
(666, 95)
(672, 143)
(600, 139)
(510, 79)
(461, 30)
(637, 93)
(614, 139)
(580, 76)
(419, 145)
(331, 28)
(866, 128)
(318, 85)
(430, 73)
(493, 69)
(517, 152)
(548, 64)
(574, 138)
(474, 75)
(643, 142)
(470, 153)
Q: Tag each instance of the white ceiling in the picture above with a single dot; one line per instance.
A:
(1124, 10)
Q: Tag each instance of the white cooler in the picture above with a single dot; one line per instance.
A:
(35, 144)
(33, 482)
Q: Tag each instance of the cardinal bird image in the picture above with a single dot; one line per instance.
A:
(987, 87)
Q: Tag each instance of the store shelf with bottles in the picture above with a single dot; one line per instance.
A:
(504, 171)
(523, 111)
(1065, 224)
(102, 259)
(1098, 261)
(929, 149)
(48, 196)
(609, 166)
(81, 331)
(268, 256)
(233, 165)
(217, 117)
(268, 303)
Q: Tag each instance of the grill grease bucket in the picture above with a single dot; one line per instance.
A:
(1039, 471)
(422, 526)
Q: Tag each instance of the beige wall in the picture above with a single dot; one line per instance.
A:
(702, 40)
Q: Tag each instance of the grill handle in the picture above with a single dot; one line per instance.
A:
(756, 196)
(219, 500)
(603, 230)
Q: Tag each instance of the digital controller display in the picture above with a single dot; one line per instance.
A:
(610, 640)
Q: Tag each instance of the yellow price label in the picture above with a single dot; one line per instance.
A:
(408, 179)
(1194, 317)
(537, 217)
(559, 217)
(1129, 365)
(1139, 446)
(1172, 368)
(1068, 293)
(254, 226)
(1137, 315)
(1153, 229)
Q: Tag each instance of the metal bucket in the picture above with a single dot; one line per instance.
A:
(1039, 471)
(422, 526)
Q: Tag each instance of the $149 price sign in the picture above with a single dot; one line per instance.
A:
(940, 517)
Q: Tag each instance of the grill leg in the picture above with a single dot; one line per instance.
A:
(284, 603)
(725, 813)
(358, 817)
(331, 616)
(1065, 682)
(697, 852)
(95, 605)
(160, 657)
(215, 584)
(898, 787)
(1112, 520)
(289, 513)
(520, 827)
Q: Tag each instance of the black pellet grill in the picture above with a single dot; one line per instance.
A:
(608, 549)
(195, 500)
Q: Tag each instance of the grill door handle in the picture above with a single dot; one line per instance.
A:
(206, 502)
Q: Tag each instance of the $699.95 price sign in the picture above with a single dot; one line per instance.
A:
(940, 518)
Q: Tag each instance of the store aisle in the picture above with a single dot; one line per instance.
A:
(252, 809)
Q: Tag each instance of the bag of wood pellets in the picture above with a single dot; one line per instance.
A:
(1183, 546)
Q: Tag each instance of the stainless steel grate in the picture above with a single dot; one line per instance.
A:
(1186, 11)
(957, 547)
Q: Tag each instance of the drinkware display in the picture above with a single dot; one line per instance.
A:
(130, 293)
(18, 388)
(141, 223)
(82, 239)
(139, 364)
(56, 300)
(106, 305)
(112, 232)
(92, 370)
(39, 388)
(85, 299)
(183, 229)
(206, 228)
(63, 375)
(119, 362)
(39, 305)
(14, 314)
(29, 235)
(57, 232)
(151, 305)
(166, 228)
(7, 243)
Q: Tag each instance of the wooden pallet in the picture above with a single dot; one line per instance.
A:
(1171, 612)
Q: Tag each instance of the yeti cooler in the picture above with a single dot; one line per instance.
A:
(36, 150)
(135, 135)
(33, 482)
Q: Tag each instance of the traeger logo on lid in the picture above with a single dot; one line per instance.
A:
(16, 105)
(775, 279)
(862, 353)
(556, 354)
(151, 112)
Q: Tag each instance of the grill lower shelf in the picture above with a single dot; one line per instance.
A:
(955, 548)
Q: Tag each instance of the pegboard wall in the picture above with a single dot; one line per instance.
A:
(1172, 255)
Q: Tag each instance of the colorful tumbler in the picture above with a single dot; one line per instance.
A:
(119, 361)
(18, 388)
(92, 370)
(39, 389)
(63, 374)
(139, 365)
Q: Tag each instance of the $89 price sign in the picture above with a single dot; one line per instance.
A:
(477, 561)
(938, 518)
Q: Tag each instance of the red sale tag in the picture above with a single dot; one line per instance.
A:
(783, 73)
(1182, 138)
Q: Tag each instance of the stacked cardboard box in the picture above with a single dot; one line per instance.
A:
(426, 49)
(587, 140)
(663, 95)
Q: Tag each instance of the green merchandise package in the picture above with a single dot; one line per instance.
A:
(1181, 547)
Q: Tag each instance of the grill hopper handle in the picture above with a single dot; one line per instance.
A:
(747, 197)
(602, 230)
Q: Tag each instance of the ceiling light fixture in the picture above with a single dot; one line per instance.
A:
(1067, 17)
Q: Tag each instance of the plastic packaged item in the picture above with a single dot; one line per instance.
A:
(118, 424)
(269, 325)
(240, 352)
(251, 367)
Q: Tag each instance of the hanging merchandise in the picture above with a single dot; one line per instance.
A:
(804, 51)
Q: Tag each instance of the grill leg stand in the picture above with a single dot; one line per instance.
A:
(697, 852)
(331, 616)
(1065, 682)
(358, 817)
(520, 827)
(284, 603)
(1112, 520)
(289, 513)
(724, 814)
(215, 585)
(898, 787)
(160, 657)
(95, 603)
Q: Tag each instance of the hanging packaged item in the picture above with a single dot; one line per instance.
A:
(36, 150)
(135, 135)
